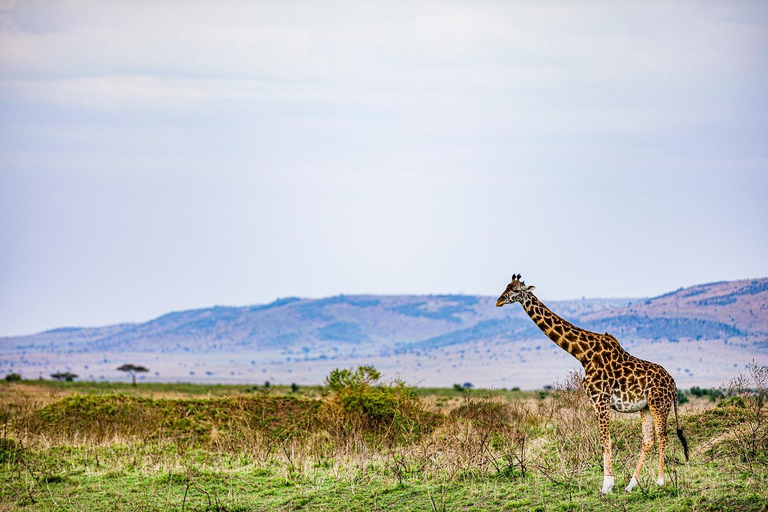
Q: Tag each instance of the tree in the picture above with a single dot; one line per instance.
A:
(133, 370)
(67, 376)
(13, 377)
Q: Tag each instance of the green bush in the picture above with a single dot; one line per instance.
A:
(9, 450)
(733, 401)
(713, 394)
(346, 379)
(359, 394)
(363, 405)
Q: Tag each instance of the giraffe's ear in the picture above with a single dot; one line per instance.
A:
(530, 288)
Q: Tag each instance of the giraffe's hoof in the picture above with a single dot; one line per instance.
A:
(632, 484)
(660, 481)
(607, 485)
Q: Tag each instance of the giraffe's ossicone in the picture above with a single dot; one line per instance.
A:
(613, 379)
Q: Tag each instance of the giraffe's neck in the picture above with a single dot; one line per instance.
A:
(579, 343)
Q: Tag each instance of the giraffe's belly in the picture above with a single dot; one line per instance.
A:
(625, 404)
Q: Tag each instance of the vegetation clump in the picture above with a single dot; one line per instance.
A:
(357, 403)
(96, 418)
(712, 393)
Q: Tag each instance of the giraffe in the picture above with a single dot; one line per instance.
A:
(613, 379)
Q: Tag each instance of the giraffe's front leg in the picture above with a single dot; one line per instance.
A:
(603, 419)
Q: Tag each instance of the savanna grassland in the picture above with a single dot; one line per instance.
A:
(357, 444)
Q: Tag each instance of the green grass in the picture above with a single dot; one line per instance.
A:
(106, 446)
(453, 393)
(148, 388)
(102, 416)
(156, 477)
(186, 389)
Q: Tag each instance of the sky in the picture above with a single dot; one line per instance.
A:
(162, 156)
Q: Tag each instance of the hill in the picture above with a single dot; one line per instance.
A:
(698, 333)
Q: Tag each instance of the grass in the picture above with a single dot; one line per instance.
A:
(92, 446)
(178, 389)
(189, 390)
(157, 477)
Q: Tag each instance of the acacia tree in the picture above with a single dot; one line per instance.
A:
(133, 370)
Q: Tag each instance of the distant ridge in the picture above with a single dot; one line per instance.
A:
(427, 339)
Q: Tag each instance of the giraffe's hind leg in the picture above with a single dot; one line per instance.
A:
(647, 419)
(659, 413)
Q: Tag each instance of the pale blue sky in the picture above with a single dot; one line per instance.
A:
(159, 156)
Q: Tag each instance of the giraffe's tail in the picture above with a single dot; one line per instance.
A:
(680, 434)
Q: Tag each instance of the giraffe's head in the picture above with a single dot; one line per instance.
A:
(515, 291)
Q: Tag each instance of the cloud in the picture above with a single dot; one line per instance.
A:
(325, 147)
(430, 59)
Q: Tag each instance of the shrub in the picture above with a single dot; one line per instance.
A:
(748, 397)
(357, 404)
(10, 450)
(575, 444)
(340, 380)
(499, 435)
(713, 394)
